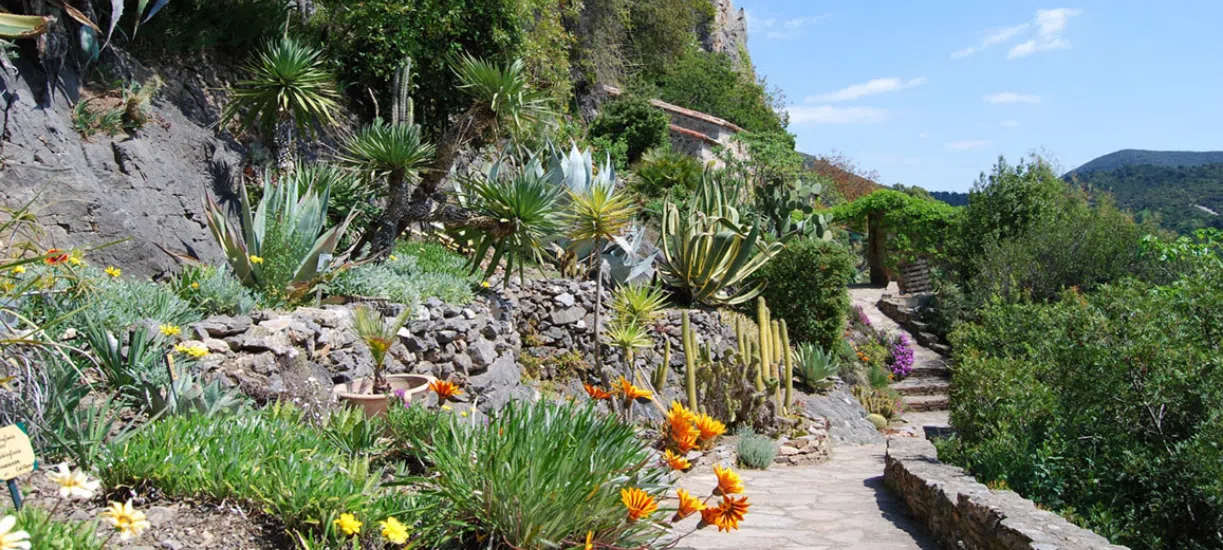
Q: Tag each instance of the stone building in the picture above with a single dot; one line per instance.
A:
(695, 133)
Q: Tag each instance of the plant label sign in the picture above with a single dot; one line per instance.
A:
(16, 452)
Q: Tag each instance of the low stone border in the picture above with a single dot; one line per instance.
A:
(963, 513)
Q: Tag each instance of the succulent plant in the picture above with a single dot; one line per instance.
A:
(879, 421)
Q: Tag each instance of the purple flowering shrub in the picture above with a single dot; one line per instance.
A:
(902, 356)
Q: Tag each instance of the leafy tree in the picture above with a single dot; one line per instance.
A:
(634, 121)
(711, 83)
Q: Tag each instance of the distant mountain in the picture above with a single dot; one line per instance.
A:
(1134, 157)
(1182, 197)
(954, 198)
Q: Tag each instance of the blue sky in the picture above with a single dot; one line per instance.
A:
(930, 93)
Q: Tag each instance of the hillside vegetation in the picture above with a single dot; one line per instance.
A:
(1132, 157)
(1180, 198)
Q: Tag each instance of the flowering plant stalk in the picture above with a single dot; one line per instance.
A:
(902, 356)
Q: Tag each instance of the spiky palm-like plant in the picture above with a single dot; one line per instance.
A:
(501, 98)
(628, 336)
(398, 153)
(379, 335)
(598, 214)
(516, 215)
(289, 89)
(638, 302)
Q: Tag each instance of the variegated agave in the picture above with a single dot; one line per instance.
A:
(708, 253)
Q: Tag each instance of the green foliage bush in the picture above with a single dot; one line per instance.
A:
(213, 290)
(806, 284)
(711, 83)
(118, 303)
(547, 474)
(271, 459)
(413, 274)
(369, 40)
(1105, 406)
(662, 173)
(915, 227)
(754, 450)
(634, 121)
(189, 26)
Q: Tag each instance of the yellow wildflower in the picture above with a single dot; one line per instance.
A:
(484, 284)
(256, 259)
(393, 258)
(348, 524)
(170, 330)
(19, 269)
(113, 271)
(394, 531)
(193, 351)
(74, 484)
(128, 521)
(195, 286)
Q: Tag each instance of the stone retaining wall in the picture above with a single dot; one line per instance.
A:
(963, 513)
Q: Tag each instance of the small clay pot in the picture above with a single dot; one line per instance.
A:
(360, 392)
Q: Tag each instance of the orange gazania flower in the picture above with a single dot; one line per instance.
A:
(445, 390)
(727, 515)
(709, 427)
(685, 442)
(596, 392)
(676, 462)
(639, 503)
(55, 256)
(688, 505)
(729, 482)
(633, 393)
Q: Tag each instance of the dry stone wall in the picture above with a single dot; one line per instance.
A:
(963, 513)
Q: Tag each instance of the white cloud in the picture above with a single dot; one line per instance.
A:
(786, 30)
(872, 87)
(1048, 25)
(1009, 123)
(1011, 97)
(968, 144)
(830, 114)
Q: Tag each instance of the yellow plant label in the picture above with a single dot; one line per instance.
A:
(16, 453)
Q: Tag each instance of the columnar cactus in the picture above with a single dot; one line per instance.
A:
(788, 355)
(689, 361)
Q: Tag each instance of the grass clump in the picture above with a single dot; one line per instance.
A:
(212, 290)
(413, 274)
(46, 532)
(270, 459)
(754, 450)
(545, 475)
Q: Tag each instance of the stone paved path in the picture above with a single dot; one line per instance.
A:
(840, 504)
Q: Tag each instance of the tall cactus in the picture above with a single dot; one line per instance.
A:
(762, 322)
(660, 373)
(788, 355)
(689, 361)
(402, 108)
(775, 370)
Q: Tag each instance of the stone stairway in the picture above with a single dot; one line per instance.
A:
(927, 386)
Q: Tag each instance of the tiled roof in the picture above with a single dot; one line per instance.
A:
(614, 91)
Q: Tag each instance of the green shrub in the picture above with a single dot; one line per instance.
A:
(634, 121)
(711, 83)
(271, 459)
(1104, 406)
(213, 290)
(544, 475)
(754, 450)
(188, 26)
(807, 285)
(369, 40)
(616, 149)
(118, 303)
(403, 279)
(663, 173)
(53, 534)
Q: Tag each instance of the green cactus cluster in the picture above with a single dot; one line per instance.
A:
(876, 402)
(768, 359)
(879, 421)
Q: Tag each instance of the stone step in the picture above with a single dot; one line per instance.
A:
(940, 348)
(930, 370)
(922, 386)
(921, 403)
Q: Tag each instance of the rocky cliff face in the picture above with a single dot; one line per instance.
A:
(728, 32)
(146, 187)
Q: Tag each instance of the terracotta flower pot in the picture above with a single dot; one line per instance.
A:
(360, 392)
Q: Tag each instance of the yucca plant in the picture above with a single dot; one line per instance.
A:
(283, 245)
(517, 214)
(641, 303)
(396, 152)
(629, 336)
(815, 366)
(595, 216)
(708, 254)
(379, 335)
(289, 89)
